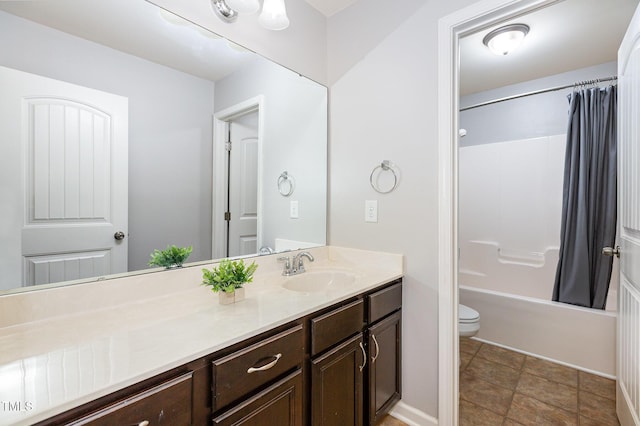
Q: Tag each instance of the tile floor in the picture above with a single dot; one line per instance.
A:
(499, 387)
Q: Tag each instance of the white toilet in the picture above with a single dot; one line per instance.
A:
(468, 321)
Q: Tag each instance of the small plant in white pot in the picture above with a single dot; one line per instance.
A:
(171, 257)
(228, 279)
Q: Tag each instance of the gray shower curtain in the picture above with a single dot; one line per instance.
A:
(589, 199)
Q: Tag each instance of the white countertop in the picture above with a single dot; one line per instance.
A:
(66, 346)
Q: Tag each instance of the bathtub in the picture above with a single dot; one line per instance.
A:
(577, 337)
(512, 292)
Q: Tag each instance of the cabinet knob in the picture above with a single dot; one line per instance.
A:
(144, 423)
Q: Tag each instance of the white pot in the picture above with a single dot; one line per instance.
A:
(227, 298)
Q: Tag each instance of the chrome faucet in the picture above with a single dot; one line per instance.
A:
(298, 261)
(297, 265)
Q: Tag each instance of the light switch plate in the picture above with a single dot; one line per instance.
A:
(371, 211)
(293, 209)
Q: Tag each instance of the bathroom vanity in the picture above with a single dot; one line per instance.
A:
(292, 355)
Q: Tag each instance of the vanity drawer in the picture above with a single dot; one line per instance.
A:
(166, 404)
(383, 302)
(241, 372)
(335, 326)
(280, 404)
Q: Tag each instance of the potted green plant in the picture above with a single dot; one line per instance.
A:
(228, 279)
(171, 257)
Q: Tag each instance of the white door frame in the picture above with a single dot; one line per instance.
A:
(220, 120)
(473, 18)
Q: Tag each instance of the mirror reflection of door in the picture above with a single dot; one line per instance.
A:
(63, 180)
(242, 188)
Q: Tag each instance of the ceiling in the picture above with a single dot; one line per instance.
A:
(565, 36)
(568, 35)
(141, 29)
(330, 7)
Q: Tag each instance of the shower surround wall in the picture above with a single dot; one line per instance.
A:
(510, 180)
(510, 207)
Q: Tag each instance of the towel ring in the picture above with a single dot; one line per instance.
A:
(383, 167)
(286, 184)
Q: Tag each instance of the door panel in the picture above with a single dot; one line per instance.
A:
(68, 156)
(628, 342)
(68, 266)
(63, 176)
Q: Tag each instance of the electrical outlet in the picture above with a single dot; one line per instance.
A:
(371, 211)
(293, 210)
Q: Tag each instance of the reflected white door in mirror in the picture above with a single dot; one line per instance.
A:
(64, 179)
(242, 191)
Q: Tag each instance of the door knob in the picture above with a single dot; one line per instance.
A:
(119, 235)
(611, 251)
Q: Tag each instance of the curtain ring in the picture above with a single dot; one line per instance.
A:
(384, 167)
(286, 184)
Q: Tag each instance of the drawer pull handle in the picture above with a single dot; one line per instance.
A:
(373, 359)
(266, 366)
(364, 357)
(144, 423)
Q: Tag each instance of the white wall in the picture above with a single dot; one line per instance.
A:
(294, 141)
(529, 117)
(301, 47)
(384, 106)
(169, 130)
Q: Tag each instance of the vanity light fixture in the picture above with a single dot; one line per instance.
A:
(505, 40)
(273, 15)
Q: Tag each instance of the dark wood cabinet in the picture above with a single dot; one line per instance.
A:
(370, 359)
(384, 366)
(337, 385)
(241, 372)
(339, 366)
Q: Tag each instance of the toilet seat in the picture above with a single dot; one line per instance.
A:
(466, 314)
(468, 321)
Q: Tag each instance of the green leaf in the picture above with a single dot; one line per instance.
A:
(171, 256)
(228, 275)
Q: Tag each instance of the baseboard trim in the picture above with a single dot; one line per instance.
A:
(412, 416)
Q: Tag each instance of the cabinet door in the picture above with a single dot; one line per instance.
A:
(337, 385)
(280, 404)
(384, 341)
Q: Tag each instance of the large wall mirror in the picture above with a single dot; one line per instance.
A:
(125, 129)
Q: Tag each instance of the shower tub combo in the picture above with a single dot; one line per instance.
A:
(512, 292)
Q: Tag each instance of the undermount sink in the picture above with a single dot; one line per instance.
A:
(309, 282)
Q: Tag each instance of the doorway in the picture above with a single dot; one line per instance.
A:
(464, 22)
(237, 201)
(241, 214)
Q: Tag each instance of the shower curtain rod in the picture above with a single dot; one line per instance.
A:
(537, 92)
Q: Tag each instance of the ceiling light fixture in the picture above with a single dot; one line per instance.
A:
(273, 16)
(505, 40)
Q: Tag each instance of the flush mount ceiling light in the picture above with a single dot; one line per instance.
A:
(273, 16)
(505, 40)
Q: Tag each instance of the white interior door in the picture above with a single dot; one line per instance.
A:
(63, 174)
(628, 341)
(243, 185)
